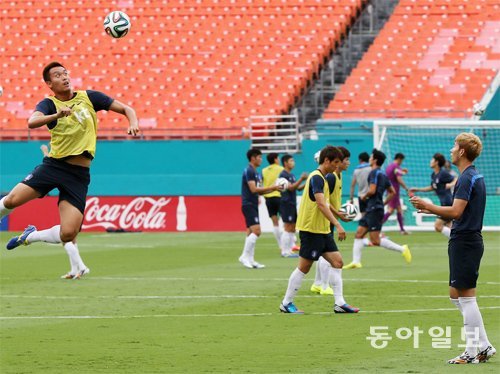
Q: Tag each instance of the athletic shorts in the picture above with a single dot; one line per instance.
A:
(395, 202)
(372, 220)
(362, 205)
(312, 245)
(288, 213)
(273, 205)
(72, 181)
(251, 213)
(465, 253)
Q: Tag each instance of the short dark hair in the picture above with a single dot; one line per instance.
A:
(253, 152)
(345, 152)
(330, 153)
(285, 159)
(378, 156)
(399, 156)
(364, 156)
(46, 70)
(271, 157)
(440, 159)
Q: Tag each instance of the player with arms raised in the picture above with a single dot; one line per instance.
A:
(72, 121)
(395, 174)
(465, 247)
(441, 183)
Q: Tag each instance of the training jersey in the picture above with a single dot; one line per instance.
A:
(310, 218)
(393, 171)
(439, 181)
(288, 197)
(376, 201)
(470, 187)
(77, 133)
(269, 176)
(335, 186)
(360, 174)
(247, 197)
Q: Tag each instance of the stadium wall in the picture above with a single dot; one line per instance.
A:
(492, 111)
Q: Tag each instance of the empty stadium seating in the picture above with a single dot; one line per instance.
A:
(188, 67)
(434, 58)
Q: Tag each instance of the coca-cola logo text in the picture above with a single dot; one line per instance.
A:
(141, 213)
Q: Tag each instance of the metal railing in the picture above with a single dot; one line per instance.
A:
(275, 133)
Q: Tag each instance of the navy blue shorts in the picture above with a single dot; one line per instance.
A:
(288, 213)
(251, 213)
(465, 253)
(72, 181)
(372, 220)
(273, 205)
(362, 205)
(312, 245)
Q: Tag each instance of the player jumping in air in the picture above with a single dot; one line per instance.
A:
(441, 183)
(465, 247)
(372, 220)
(71, 119)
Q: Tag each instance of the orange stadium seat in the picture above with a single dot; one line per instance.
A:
(443, 54)
(186, 64)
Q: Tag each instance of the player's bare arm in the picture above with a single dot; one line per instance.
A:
(450, 185)
(38, 119)
(129, 112)
(402, 183)
(323, 207)
(371, 191)
(420, 189)
(353, 185)
(261, 190)
(297, 185)
(450, 212)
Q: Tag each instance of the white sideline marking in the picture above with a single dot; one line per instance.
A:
(145, 297)
(270, 279)
(225, 315)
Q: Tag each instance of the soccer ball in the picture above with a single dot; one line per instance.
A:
(283, 183)
(117, 24)
(350, 210)
(316, 156)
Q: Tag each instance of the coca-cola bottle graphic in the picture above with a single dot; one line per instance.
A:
(181, 214)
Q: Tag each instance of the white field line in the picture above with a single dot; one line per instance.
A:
(221, 315)
(187, 297)
(270, 280)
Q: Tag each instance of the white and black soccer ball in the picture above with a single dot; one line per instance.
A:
(316, 156)
(350, 210)
(282, 183)
(117, 24)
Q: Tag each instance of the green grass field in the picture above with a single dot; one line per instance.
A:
(181, 303)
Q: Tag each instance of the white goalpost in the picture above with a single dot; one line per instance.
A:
(419, 140)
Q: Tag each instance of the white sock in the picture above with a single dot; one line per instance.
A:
(79, 262)
(457, 304)
(249, 248)
(324, 271)
(338, 285)
(71, 250)
(294, 284)
(386, 243)
(356, 250)
(446, 231)
(51, 235)
(286, 242)
(3, 210)
(277, 234)
(473, 322)
(317, 277)
(366, 242)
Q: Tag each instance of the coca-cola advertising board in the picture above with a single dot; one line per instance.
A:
(143, 213)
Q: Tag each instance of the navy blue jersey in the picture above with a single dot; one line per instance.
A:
(316, 185)
(330, 178)
(288, 197)
(99, 100)
(470, 187)
(438, 184)
(247, 197)
(379, 178)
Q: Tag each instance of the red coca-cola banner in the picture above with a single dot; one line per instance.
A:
(130, 213)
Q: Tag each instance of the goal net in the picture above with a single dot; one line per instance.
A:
(419, 140)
